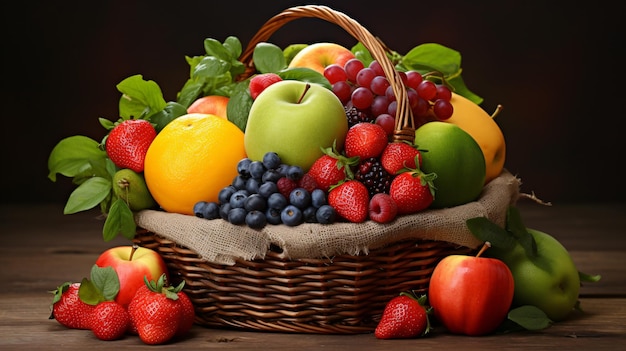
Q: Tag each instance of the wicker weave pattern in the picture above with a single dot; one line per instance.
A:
(344, 294)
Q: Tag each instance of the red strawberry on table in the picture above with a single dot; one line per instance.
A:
(398, 155)
(412, 190)
(350, 200)
(261, 81)
(365, 140)
(404, 317)
(159, 312)
(128, 142)
(68, 309)
(109, 321)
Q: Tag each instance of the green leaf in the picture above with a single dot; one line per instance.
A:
(214, 48)
(89, 293)
(233, 46)
(435, 57)
(105, 279)
(305, 75)
(88, 195)
(584, 277)
(291, 51)
(239, 105)
(140, 98)
(486, 230)
(171, 111)
(72, 156)
(515, 226)
(119, 220)
(210, 67)
(268, 58)
(530, 317)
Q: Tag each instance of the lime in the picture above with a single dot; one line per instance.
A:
(456, 158)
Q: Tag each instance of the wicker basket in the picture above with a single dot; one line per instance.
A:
(342, 294)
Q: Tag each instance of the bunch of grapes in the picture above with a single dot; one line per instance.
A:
(367, 94)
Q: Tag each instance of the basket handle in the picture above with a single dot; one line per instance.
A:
(404, 123)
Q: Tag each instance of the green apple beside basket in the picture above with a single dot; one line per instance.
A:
(314, 278)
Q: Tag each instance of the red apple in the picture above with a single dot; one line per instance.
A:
(210, 104)
(131, 264)
(471, 295)
(319, 55)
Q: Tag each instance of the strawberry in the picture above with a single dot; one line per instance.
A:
(398, 155)
(261, 81)
(332, 168)
(382, 208)
(404, 317)
(350, 199)
(68, 309)
(158, 312)
(128, 142)
(109, 321)
(365, 140)
(412, 190)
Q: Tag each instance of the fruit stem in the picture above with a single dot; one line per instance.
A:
(306, 88)
(132, 252)
(486, 245)
(497, 111)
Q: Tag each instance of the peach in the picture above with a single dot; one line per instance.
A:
(319, 55)
(210, 104)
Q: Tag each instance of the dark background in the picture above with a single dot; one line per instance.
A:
(556, 67)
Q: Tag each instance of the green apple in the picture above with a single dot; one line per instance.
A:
(547, 279)
(296, 120)
(456, 158)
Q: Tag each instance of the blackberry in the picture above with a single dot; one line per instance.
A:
(372, 174)
(355, 116)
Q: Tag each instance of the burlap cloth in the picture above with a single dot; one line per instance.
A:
(220, 242)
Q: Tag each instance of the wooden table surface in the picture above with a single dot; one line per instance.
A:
(41, 248)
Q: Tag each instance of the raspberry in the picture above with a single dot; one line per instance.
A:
(286, 185)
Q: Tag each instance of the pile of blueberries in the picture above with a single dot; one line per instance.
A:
(254, 199)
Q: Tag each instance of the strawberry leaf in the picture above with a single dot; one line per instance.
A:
(140, 98)
(105, 279)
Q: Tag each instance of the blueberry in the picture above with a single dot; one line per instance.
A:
(242, 167)
(271, 175)
(224, 208)
(252, 185)
(256, 219)
(283, 169)
(271, 160)
(291, 216)
(239, 182)
(198, 208)
(224, 195)
(238, 199)
(255, 202)
(277, 201)
(300, 197)
(325, 214)
(272, 215)
(295, 172)
(268, 188)
(209, 210)
(256, 169)
(318, 198)
(237, 215)
(308, 215)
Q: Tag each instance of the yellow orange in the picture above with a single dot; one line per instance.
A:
(319, 55)
(484, 129)
(210, 104)
(192, 159)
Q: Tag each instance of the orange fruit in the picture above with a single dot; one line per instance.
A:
(210, 104)
(191, 160)
(484, 129)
